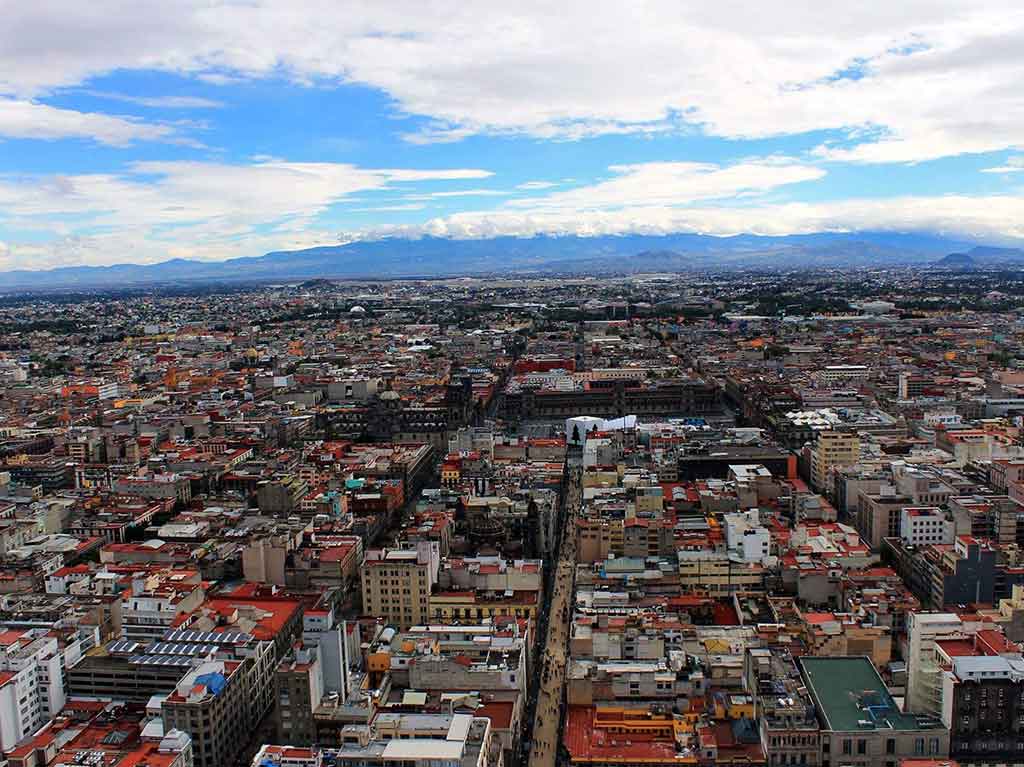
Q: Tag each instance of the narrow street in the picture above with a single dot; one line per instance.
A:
(547, 725)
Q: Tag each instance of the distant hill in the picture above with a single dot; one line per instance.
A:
(439, 257)
(983, 255)
(957, 261)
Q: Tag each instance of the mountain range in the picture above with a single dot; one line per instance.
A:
(570, 254)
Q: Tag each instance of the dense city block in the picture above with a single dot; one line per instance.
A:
(731, 518)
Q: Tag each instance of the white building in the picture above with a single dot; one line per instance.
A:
(925, 525)
(924, 666)
(31, 683)
(746, 538)
(11, 371)
(577, 428)
(943, 418)
(148, 615)
(599, 452)
(833, 374)
(877, 307)
(410, 739)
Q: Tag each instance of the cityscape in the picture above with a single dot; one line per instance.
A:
(736, 518)
(586, 384)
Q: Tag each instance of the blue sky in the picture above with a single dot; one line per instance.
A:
(212, 130)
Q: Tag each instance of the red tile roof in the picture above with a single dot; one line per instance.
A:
(499, 712)
(588, 742)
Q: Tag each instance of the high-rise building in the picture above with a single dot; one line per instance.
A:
(984, 707)
(397, 583)
(879, 515)
(299, 684)
(832, 450)
(924, 670)
(31, 684)
(210, 703)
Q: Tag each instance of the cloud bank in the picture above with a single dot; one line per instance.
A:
(864, 84)
(910, 81)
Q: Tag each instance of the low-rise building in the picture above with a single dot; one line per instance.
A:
(861, 725)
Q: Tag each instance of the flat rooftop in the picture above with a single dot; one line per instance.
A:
(853, 698)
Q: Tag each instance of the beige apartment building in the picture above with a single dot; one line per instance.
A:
(397, 583)
(717, 574)
(832, 450)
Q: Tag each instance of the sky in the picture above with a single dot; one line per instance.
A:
(140, 132)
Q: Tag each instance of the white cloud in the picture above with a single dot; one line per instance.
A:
(1013, 165)
(160, 102)
(458, 193)
(998, 217)
(455, 174)
(931, 78)
(666, 198)
(29, 119)
(899, 82)
(390, 208)
(160, 210)
(675, 183)
(219, 78)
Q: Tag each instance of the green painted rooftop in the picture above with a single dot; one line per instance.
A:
(851, 695)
